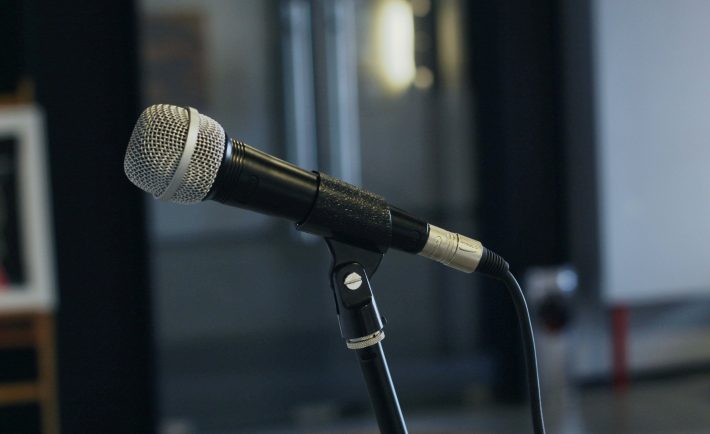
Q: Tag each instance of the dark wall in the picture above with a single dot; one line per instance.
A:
(83, 58)
(12, 62)
(516, 70)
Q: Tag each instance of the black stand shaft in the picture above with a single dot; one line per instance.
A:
(382, 393)
(362, 328)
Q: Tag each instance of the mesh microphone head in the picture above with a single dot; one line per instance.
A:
(156, 149)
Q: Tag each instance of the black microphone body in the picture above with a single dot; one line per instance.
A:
(252, 179)
(316, 202)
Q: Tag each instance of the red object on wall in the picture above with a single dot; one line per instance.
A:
(620, 331)
(4, 281)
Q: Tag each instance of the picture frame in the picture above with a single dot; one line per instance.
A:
(27, 275)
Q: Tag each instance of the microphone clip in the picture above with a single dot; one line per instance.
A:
(360, 322)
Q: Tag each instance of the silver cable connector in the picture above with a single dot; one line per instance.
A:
(452, 249)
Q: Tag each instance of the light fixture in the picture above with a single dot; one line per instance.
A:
(394, 44)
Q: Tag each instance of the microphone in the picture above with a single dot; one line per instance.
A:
(180, 155)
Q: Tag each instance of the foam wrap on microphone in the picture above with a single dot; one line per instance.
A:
(350, 214)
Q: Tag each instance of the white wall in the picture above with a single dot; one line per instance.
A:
(652, 69)
(637, 115)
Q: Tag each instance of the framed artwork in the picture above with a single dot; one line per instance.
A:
(27, 277)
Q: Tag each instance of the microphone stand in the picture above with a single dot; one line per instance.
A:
(362, 328)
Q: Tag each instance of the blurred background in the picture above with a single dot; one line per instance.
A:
(571, 137)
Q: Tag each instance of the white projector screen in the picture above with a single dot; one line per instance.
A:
(652, 69)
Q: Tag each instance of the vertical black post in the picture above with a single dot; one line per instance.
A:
(83, 57)
(517, 74)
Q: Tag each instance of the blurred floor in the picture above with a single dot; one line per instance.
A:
(673, 406)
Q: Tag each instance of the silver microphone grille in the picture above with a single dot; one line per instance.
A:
(155, 154)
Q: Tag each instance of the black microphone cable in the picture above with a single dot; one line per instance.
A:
(495, 266)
